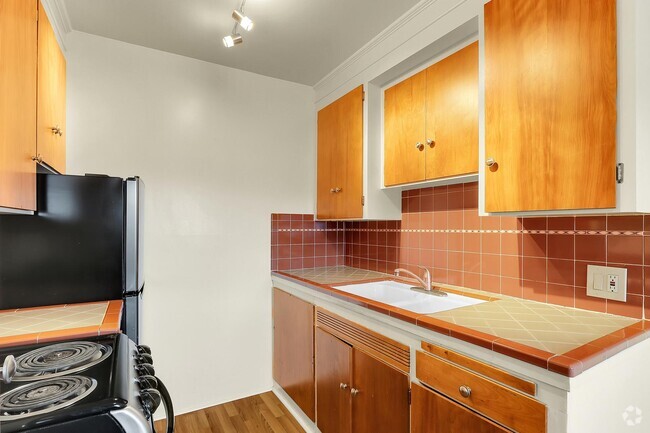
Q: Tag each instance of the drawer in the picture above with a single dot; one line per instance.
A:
(497, 402)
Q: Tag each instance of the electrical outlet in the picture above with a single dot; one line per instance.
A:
(607, 282)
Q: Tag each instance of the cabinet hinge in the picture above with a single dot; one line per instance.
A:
(363, 200)
(409, 396)
(620, 172)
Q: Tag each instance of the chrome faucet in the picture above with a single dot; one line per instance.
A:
(426, 282)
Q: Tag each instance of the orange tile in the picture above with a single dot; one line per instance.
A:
(511, 244)
(633, 307)
(511, 287)
(591, 248)
(561, 246)
(624, 223)
(440, 275)
(490, 223)
(491, 264)
(63, 334)
(471, 280)
(455, 260)
(534, 245)
(112, 320)
(440, 258)
(491, 243)
(18, 340)
(406, 315)
(470, 198)
(471, 220)
(472, 262)
(591, 223)
(455, 200)
(491, 283)
(625, 249)
(635, 281)
(433, 324)
(455, 241)
(534, 269)
(561, 271)
(510, 223)
(560, 295)
(588, 354)
(472, 242)
(455, 220)
(523, 353)
(589, 302)
(535, 223)
(455, 278)
(471, 336)
(565, 366)
(511, 266)
(561, 223)
(534, 290)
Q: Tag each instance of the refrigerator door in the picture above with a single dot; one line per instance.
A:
(133, 253)
(71, 251)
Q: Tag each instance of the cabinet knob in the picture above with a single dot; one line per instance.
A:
(419, 146)
(343, 386)
(465, 391)
(335, 190)
(431, 142)
(354, 391)
(490, 162)
(38, 159)
(57, 131)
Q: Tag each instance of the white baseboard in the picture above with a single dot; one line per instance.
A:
(295, 411)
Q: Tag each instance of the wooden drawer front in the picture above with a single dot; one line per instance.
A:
(504, 405)
(481, 368)
(390, 351)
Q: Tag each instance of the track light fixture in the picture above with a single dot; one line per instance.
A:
(241, 20)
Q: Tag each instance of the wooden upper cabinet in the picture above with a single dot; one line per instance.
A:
(293, 349)
(51, 127)
(550, 105)
(433, 413)
(340, 158)
(333, 383)
(18, 44)
(380, 396)
(404, 131)
(452, 115)
(431, 121)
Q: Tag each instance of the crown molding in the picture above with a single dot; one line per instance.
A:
(381, 37)
(58, 15)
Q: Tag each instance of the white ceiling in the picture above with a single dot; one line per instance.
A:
(295, 40)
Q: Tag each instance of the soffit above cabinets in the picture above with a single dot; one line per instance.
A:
(295, 40)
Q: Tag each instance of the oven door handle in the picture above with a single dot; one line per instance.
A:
(169, 407)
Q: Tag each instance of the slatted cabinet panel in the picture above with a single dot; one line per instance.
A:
(18, 60)
(51, 120)
(340, 158)
(293, 349)
(550, 104)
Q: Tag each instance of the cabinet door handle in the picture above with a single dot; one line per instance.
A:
(490, 162)
(38, 159)
(419, 146)
(343, 386)
(57, 131)
(354, 392)
(431, 142)
(335, 190)
(465, 391)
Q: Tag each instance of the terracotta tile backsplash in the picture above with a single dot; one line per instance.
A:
(542, 259)
(297, 242)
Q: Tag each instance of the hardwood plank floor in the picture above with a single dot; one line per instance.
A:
(262, 413)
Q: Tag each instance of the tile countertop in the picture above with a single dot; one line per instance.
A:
(58, 322)
(561, 339)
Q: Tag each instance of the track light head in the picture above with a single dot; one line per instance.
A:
(232, 40)
(245, 22)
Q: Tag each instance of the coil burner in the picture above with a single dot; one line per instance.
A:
(59, 359)
(44, 396)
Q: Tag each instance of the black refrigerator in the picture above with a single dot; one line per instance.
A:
(84, 244)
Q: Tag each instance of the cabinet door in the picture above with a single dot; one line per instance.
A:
(293, 349)
(381, 404)
(51, 96)
(550, 105)
(404, 129)
(433, 413)
(18, 103)
(452, 115)
(333, 384)
(340, 158)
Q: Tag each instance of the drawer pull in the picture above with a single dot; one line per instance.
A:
(465, 391)
(343, 386)
(354, 391)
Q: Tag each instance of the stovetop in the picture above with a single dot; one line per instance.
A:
(60, 382)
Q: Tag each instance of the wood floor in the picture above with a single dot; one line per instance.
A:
(262, 413)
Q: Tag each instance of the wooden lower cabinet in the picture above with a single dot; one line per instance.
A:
(382, 402)
(356, 392)
(433, 413)
(293, 349)
(333, 381)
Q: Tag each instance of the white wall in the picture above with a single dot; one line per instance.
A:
(219, 149)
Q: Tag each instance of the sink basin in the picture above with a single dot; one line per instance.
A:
(400, 295)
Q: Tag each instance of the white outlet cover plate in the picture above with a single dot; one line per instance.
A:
(599, 274)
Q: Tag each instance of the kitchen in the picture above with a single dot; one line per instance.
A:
(286, 178)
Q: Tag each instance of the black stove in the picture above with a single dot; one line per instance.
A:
(101, 384)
